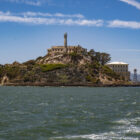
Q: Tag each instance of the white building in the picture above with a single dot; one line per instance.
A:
(120, 68)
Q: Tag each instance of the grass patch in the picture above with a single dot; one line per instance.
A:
(50, 67)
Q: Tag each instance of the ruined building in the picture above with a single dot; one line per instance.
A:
(66, 49)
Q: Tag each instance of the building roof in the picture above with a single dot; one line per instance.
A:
(117, 63)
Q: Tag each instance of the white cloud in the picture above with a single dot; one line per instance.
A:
(132, 2)
(62, 19)
(5, 13)
(60, 15)
(83, 22)
(28, 2)
(53, 20)
(124, 24)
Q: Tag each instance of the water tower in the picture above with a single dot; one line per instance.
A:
(135, 76)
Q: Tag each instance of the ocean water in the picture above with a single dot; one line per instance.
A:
(69, 113)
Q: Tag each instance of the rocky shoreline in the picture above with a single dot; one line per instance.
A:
(72, 85)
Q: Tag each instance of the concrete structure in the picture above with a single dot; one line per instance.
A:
(120, 68)
(66, 48)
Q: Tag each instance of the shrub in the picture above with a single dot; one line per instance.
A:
(95, 65)
(73, 54)
(1, 71)
(10, 71)
(50, 67)
(63, 78)
(30, 62)
(92, 79)
(29, 77)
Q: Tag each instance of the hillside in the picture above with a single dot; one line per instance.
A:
(61, 69)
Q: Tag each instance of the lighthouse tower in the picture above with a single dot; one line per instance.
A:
(65, 42)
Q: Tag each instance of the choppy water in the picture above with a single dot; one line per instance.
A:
(51, 113)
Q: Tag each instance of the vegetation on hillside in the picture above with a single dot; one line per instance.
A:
(102, 58)
(10, 71)
(50, 67)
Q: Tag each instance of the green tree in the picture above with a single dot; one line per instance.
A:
(105, 58)
(102, 58)
(98, 56)
(92, 53)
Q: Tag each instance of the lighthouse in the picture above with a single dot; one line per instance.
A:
(65, 42)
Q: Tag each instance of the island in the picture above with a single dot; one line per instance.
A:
(63, 66)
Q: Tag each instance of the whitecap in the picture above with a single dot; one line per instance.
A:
(133, 129)
(19, 112)
(123, 121)
(102, 136)
(119, 132)
(43, 104)
(121, 100)
(128, 114)
(128, 126)
(134, 103)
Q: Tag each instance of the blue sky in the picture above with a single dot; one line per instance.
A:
(29, 27)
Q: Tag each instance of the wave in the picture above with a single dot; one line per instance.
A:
(126, 129)
(43, 104)
(103, 136)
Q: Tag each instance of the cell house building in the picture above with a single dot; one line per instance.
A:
(120, 68)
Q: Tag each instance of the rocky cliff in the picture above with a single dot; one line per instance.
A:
(64, 59)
